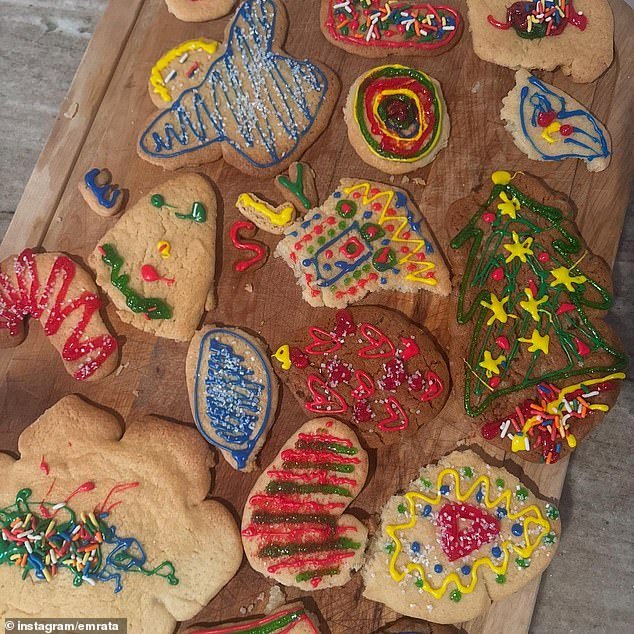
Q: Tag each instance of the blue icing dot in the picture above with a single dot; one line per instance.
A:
(293, 234)
(501, 512)
(384, 280)
(326, 266)
(438, 568)
(465, 570)
(385, 242)
(305, 225)
(517, 530)
(427, 510)
(367, 214)
(444, 489)
(317, 217)
(415, 547)
(428, 247)
(496, 551)
(400, 199)
(479, 495)
(337, 195)
(307, 262)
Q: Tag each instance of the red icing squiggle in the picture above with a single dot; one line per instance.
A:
(52, 304)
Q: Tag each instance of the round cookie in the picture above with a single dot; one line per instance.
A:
(179, 69)
(397, 118)
(463, 534)
(199, 10)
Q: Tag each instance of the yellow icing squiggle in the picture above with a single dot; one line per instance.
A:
(156, 77)
(415, 244)
(507, 546)
(279, 216)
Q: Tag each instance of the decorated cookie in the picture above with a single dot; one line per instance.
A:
(575, 35)
(549, 125)
(376, 28)
(367, 236)
(54, 289)
(232, 391)
(264, 215)
(199, 10)
(463, 534)
(368, 366)
(535, 362)
(241, 234)
(181, 68)
(289, 619)
(294, 529)
(256, 107)
(101, 194)
(299, 186)
(86, 519)
(157, 263)
(397, 118)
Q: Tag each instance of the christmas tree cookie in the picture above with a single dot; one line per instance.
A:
(367, 236)
(95, 521)
(294, 528)
(463, 534)
(157, 263)
(535, 363)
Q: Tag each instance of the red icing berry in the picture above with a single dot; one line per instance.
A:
(497, 274)
(544, 119)
(544, 256)
(338, 372)
(345, 324)
(416, 381)
(298, 358)
(488, 217)
(361, 412)
(566, 130)
(494, 381)
(565, 307)
(394, 374)
(582, 347)
(503, 342)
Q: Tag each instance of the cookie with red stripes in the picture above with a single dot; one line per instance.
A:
(294, 529)
(368, 366)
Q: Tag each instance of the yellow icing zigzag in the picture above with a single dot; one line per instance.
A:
(531, 514)
(156, 77)
(415, 244)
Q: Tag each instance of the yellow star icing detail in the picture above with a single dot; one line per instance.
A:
(509, 207)
(562, 276)
(491, 365)
(539, 343)
(519, 249)
(531, 305)
(496, 306)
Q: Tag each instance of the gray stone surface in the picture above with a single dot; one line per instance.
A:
(588, 588)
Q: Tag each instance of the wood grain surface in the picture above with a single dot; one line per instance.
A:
(110, 93)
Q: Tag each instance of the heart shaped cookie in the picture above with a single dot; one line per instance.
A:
(294, 529)
(368, 366)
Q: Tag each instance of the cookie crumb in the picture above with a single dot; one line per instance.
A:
(243, 610)
(419, 181)
(476, 87)
(276, 599)
(121, 368)
(135, 393)
(405, 180)
(248, 287)
(72, 110)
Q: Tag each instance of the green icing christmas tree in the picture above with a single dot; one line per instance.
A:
(526, 297)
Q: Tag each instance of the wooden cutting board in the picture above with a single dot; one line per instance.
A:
(98, 125)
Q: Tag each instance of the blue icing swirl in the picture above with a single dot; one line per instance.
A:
(251, 98)
(539, 98)
(238, 408)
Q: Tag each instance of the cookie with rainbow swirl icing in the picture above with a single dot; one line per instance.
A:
(463, 534)
(199, 10)
(95, 521)
(397, 118)
(62, 295)
(294, 527)
(574, 35)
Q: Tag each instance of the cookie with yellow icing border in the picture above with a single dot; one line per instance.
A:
(574, 35)
(97, 521)
(366, 237)
(199, 10)
(397, 118)
(262, 214)
(294, 527)
(463, 534)
(179, 69)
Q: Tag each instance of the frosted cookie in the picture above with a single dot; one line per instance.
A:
(463, 534)
(535, 362)
(264, 215)
(294, 529)
(54, 289)
(289, 619)
(368, 366)
(179, 69)
(300, 185)
(256, 107)
(232, 391)
(103, 196)
(241, 234)
(549, 125)
(367, 236)
(199, 10)
(87, 513)
(397, 118)
(157, 263)
(376, 28)
(576, 36)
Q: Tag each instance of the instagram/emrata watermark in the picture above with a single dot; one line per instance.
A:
(14, 625)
